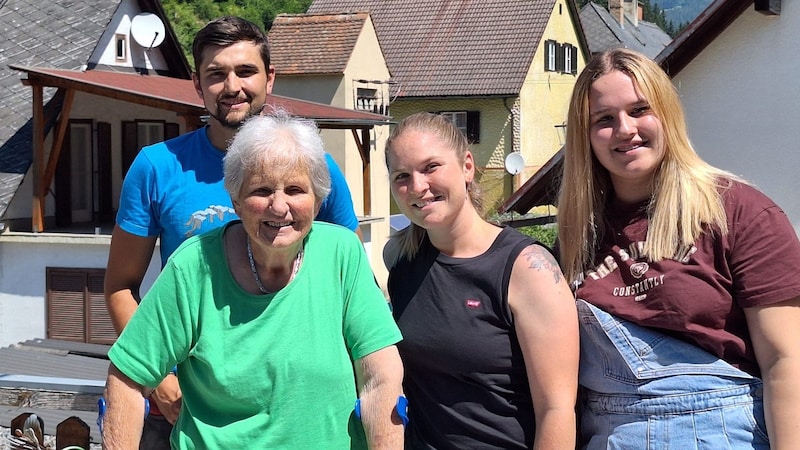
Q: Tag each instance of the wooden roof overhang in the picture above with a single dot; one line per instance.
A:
(167, 93)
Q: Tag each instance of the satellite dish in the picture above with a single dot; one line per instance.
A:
(147, 30)
(514, 163)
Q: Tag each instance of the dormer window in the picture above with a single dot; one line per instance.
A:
(120, 47)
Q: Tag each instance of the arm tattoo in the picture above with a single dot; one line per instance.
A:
(540, 259)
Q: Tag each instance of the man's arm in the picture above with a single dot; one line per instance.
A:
(124, 418)
(128, 260)
(379, 377)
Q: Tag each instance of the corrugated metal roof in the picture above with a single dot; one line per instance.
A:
(453, 48)
(72, 362)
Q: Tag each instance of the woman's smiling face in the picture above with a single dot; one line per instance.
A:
(626, 136)
(428, 181)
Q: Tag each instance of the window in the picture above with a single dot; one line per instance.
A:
(137, 134)
(570, 59)
(367, 99)
(550, 54)
(76, 306)
(121, 53)
(467, 121)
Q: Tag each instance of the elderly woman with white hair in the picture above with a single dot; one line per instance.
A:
(274, 321)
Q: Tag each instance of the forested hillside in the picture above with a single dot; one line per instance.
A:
(188, 16)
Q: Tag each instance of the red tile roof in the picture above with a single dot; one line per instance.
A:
(454, 48)
(314, 44)
(174, 94)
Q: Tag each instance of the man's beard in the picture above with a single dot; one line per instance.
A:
(234, 124)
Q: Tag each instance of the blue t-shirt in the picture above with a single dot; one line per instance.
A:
(174, 189)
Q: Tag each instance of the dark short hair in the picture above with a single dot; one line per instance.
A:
(226, 31)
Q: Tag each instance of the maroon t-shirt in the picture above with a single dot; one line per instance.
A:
(698, 295)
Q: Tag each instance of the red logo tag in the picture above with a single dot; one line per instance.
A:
(473, 303)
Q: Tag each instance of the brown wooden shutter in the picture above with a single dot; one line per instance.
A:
(66, 317)
(76, 307)
(130, 144)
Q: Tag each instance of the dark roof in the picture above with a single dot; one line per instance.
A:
(464, 48)
(603, 32)
(58, 34)
(677, 55)
(308, 44)
(179, 95)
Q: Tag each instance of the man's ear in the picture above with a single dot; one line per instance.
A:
(270, 78)
(197, 88)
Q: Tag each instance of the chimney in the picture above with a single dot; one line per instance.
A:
(632, 11)
(617, 11)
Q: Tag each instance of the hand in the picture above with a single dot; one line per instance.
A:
(168, 398)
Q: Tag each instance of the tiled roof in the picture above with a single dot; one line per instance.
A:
(448, 48)
(603, 32)
(314, 44)
(53, 33)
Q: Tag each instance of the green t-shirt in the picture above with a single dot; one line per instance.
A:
(261, 371)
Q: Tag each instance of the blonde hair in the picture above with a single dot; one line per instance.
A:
(687, 191)
(408, 240)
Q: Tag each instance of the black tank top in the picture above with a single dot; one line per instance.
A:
(465, 375)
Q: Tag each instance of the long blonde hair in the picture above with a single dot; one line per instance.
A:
(407, 241)
(687, 195)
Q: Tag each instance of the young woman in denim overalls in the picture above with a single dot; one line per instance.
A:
(685, 275)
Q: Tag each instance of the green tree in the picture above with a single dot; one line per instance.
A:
(188, 16)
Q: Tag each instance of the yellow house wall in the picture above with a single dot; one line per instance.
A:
(496, 135)
(544, 98)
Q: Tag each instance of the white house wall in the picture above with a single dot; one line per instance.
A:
(24, 258)
(740, 96)
(136, 55)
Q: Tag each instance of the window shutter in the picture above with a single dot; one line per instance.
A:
(560, 57)
(574, 60)
(474, 126)
(65, 305)
(101, 330)
(171, 130)
(76, 306)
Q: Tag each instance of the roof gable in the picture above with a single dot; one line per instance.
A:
(305, 44)
(465, 48)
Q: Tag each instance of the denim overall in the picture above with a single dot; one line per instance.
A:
(643, 390)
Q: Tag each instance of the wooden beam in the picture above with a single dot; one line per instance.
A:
(37, 219)
(363, 144)
(58, 140)
(47, 399)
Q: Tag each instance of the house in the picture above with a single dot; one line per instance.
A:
(336, 59)
(84, 86)
(502, 70)
(621, 25)
(734, 92)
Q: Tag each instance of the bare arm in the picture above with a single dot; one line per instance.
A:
(379, 377)
(124, 418)
(775, 332)
(546, 322)
(128, 260)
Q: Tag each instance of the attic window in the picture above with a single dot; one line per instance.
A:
(367, 99)
(550, 55)
(120, 49)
